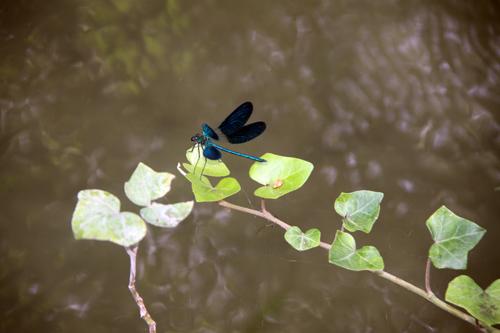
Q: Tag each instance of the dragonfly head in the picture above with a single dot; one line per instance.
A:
(198, 138)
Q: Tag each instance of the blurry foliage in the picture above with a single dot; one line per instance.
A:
(112, 48)
(133, 41)
(63, 157)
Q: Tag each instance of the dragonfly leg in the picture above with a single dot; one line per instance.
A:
(197, 160)
(203, 169)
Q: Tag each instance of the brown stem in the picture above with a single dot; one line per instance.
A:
(428, 277)
(132, 253)
(265, 215)
(383, 274)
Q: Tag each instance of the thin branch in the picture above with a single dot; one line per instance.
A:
(431, 298)
(264, 213)
(132, 253)
(428, 277)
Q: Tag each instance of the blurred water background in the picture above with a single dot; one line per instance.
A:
(395, 96)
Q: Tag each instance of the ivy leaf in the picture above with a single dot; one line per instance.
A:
(166, 216)
(302, 241)
(359, 209)
(482, 304)
(279, 175)
(343, 253)
(453, 238)
(209, 167)
(205, 192)
(97, 216)
(146, 185)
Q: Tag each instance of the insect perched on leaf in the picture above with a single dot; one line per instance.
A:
(233, 128)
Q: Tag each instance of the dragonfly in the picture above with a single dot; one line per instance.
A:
(233, 128)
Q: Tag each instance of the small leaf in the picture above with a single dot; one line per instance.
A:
(302, 241)
(453, 238)
(343, 253)
(359, 209)
(484, 305)
(97, 216)
(209, 167)
(279, 175)
(166, 216)
(205, 192)
(145, 185)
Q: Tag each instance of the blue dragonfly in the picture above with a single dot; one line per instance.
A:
(234, 130)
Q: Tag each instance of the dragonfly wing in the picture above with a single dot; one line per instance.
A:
(236, 119)
(247, 133)
(211, 153)
(208, 131)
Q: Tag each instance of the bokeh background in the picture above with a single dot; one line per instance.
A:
(394, 96)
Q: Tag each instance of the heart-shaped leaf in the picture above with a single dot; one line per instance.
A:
(302, 241)
(343, 253)
(482, 304)
(359, 209)
(205, 192)
(208, 167)
(279, 175)
(145, 185)
(97, 216)
(166, 216)
(453, 238)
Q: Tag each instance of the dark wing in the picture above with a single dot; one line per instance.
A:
(236, 119)
(208, 131)
(211, 153)
(247, 132)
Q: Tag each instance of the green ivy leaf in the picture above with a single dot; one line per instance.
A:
(279, 175)
(359, 209)
(205, 192)
(453, 238)
(482, 304)
(209, 167)
(166, 216)
(146, 185)
(343, 253)
(302, 241)
(97, 216)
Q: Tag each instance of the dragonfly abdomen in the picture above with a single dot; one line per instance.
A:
(250, 157)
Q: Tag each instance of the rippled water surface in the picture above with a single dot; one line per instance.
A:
(401, 97)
